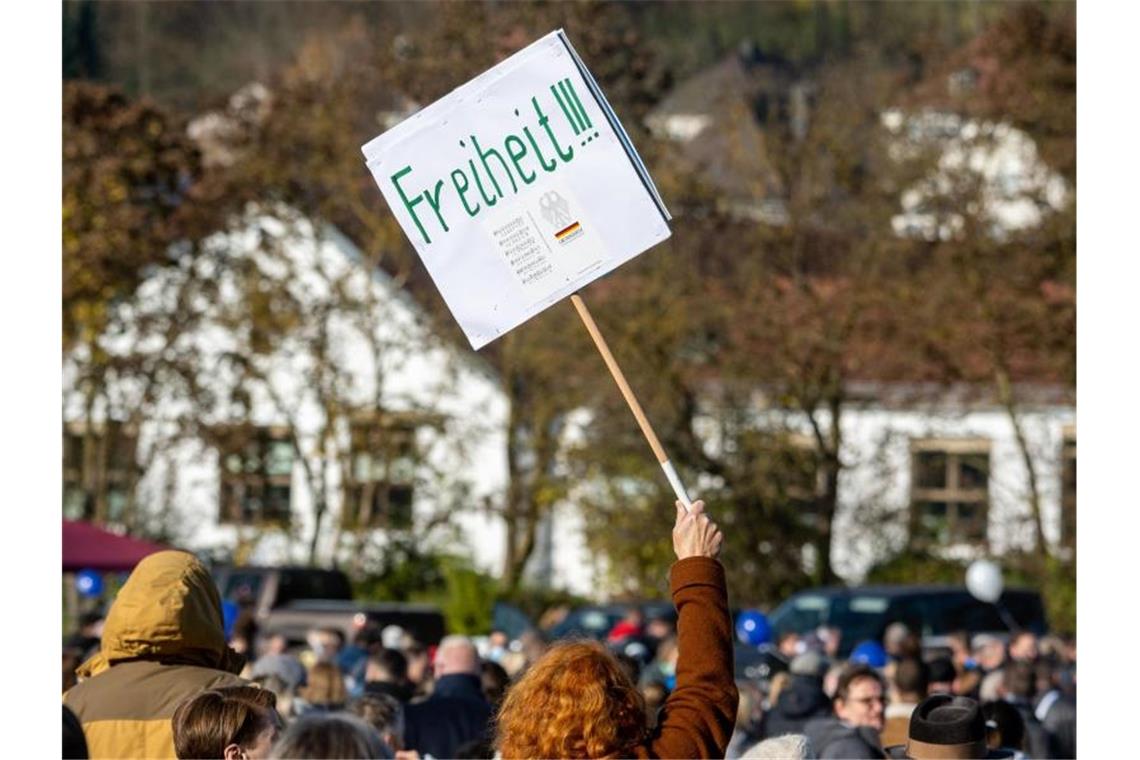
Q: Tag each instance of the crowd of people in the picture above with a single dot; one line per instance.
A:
(160, 677)
(890, 698)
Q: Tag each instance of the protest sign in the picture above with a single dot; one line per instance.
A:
(518, 188)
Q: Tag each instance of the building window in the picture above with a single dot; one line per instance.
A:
(949, 492)
(1069, 487)
(256, 472)
(381, 483)
(99, 471)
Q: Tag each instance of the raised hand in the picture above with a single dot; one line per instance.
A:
(694, 534)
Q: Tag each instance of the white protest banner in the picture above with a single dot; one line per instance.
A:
(518, 188)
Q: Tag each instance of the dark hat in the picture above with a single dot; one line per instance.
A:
(943, 727)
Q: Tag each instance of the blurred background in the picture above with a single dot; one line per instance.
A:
(858, 346)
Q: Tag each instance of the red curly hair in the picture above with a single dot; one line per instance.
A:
(575, 702)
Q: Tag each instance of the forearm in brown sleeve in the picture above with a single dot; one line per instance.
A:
(698, 718)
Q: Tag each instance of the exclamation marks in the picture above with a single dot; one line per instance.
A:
(554, 89)
(572, 109)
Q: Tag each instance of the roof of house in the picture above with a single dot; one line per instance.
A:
(728, 149)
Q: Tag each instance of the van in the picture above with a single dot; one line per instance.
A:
(932, 612)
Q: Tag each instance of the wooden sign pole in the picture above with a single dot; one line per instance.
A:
(634, 406)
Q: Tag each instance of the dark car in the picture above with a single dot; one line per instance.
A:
(425, 622)
(292, 600)
(932, 612)
(595, 620)
(267, 588)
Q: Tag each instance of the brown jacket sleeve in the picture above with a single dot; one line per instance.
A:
(698, 717)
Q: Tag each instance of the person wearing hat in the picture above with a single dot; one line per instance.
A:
(944, 727)
(869, 652)
(163, 642)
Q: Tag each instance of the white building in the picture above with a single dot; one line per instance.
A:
(360, 402)
(943, 469)
(932, 465)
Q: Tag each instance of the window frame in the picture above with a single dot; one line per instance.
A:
(110, 464)
(960, 530)
(368, 502)
(236, 489)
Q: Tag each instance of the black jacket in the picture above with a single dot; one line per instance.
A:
(800, 701)
(399, 692)
(455, 714)
(832, 738)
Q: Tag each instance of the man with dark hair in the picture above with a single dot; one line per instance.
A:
(941, 676)
(853, 732)
(386, 672)
(911, 679)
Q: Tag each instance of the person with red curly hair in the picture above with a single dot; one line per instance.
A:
(578, 702)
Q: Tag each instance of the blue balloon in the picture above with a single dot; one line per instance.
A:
(869, 652)
(752, 628)
(229, 617)
(89, 583)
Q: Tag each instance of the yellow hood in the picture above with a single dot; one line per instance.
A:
(168, 610)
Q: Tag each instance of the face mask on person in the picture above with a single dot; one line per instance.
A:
(320, 647)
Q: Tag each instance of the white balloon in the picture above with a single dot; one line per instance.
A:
(983, 579)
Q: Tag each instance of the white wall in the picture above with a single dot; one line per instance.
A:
(874, 485)
(418, 371)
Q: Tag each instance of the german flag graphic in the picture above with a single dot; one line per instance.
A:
(567, 231)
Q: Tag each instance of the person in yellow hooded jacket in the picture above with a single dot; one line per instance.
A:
(163, 642)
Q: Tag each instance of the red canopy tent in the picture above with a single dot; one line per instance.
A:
(88, 547)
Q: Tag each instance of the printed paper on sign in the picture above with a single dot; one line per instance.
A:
(518, 188)
(544, 240)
